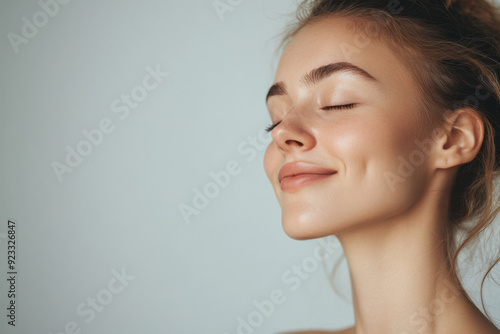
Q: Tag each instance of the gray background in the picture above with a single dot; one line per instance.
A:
(119, 208)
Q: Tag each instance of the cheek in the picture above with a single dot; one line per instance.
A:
(366, 151)
(371, 149)
(272, 163)
(270, 159)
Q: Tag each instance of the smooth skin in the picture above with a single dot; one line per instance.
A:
(391, 232)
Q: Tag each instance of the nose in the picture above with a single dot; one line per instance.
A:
(293, 134)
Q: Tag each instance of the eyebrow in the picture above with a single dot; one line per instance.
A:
(318, 74)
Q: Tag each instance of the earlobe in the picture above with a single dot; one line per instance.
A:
(461, 139)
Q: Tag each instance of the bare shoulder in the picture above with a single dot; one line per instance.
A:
(349, 330)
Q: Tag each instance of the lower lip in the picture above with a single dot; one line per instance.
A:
(301, 180)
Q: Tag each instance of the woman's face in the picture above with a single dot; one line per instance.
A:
(354, 121)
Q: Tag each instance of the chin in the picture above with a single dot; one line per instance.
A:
(299, 234)
(305, 227)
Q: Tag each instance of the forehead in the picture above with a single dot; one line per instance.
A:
(339, 39)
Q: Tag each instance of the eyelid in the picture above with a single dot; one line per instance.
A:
(272, 126)
(336, 107)
(342, 106)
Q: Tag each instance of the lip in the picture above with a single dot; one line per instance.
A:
(298, 174)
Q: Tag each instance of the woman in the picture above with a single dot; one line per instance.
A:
(385, 121)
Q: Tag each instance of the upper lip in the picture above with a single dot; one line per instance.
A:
(301, 167)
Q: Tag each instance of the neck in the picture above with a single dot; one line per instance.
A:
(400, 277)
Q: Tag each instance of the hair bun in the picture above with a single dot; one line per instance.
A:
(483, 13)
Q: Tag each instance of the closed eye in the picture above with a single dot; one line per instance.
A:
(272, 126)
(344, 106)
(339, 107)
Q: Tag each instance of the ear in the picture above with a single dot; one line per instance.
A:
(461, 138)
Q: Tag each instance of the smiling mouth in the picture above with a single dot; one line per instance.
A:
(292, 182)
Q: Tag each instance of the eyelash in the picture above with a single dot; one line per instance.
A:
(272, 126)
(344, 106)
